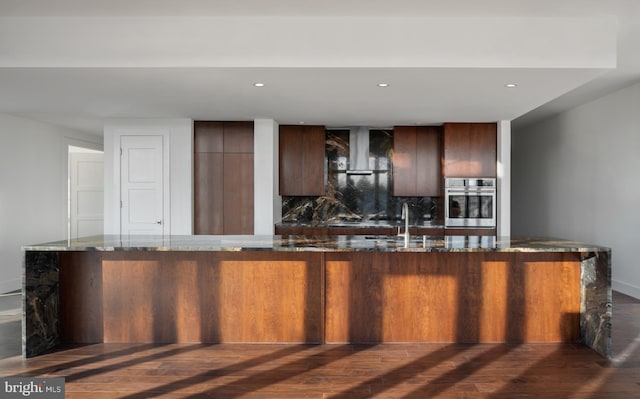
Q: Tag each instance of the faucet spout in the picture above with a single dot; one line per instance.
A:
(405, 217)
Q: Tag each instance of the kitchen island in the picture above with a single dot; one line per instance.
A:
(316, 289)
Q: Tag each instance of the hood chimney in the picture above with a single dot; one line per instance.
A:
(359, 151)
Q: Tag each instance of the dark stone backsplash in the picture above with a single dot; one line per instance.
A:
(359, 197)
(329, 209)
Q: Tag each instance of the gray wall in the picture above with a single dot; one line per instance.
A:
(577, 176)
(33, 189)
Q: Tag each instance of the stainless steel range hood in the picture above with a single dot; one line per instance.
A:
(359, 151)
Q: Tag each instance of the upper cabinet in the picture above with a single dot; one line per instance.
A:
(417, 160)
(470, 149)
(301, 157)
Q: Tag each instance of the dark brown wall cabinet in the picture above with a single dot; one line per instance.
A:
(301, 230)
(470, 149)
(223, 177)
(417, 161)
(301, 160)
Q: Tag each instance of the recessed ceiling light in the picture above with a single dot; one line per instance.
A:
(383, 84)
(511, 85)
(258, 84)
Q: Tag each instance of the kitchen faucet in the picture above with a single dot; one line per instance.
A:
(405, 217)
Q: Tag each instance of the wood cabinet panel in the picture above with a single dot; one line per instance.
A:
(417, 159)
(223, 178)
(452, 297)
(291, 160)
(470, 149)
(289, 230)
(208, 136)
(301, 160)
(428, 161)
(313, 175)
(370, 297)
(238, 193)
(205, 297)
(208, 193)
(81, 297)
(238, 137)
(302, 230)
(364, 293)
(404, 160)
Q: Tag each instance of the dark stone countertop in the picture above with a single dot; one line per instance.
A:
(364, 224)
(318, 243)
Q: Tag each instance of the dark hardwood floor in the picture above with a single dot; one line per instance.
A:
(340, 371)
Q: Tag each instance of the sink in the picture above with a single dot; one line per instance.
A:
(361, 224)
(414, 242)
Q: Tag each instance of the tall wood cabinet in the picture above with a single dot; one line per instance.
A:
(223, 177)
(301, 160)
(417, 161)
(470, 149)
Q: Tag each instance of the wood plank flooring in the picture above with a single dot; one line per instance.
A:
(342, 371)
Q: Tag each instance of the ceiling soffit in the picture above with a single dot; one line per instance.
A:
(308, 42)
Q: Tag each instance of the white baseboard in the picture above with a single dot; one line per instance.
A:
(10, 285)
(627, 289)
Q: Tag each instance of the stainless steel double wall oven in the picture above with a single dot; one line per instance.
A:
(470, 202)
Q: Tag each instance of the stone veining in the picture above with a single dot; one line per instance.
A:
(41, 270)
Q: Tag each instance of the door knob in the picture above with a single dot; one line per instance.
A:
(158, 221)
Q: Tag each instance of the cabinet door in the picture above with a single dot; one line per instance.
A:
(208, 136)
(301, 160)
(223, 177)
(470, 149)
(428, 161)
(238, 193)
(313, 150)
(404, 161)
(290, 160)
(208, 196)
(238, 137)
(417, 161)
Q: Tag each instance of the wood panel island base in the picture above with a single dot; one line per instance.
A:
(320, 290)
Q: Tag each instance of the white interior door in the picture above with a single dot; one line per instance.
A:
(86, 194)
(141, 190)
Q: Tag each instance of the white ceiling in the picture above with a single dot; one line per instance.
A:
(92, 81)
(403, 8)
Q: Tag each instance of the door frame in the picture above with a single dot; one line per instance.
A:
(166, 181)
(83, 155)
(66, 173)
